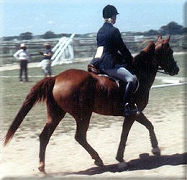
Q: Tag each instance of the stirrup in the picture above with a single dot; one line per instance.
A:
(135, 109)
(131, 111)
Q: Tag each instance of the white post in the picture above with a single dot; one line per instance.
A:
(63, 46)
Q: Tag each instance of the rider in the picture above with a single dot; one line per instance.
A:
(113, 58)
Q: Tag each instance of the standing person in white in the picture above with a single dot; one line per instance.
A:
(23, 56)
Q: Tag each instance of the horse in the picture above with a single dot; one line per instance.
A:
(79, 93)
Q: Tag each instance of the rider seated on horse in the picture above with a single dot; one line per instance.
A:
(113, 58)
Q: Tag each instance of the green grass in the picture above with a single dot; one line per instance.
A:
(36, 71)
(12, 98)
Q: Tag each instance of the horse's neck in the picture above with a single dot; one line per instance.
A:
(146, 82)
(147, 75)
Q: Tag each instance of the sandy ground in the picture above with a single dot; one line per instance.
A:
(66, 158)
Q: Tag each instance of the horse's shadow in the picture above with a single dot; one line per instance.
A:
(145, 162)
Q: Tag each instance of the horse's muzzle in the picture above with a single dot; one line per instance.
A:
(175, 71)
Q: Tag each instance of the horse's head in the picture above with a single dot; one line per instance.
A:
(164, 56)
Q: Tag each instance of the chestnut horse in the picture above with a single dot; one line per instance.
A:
(80, 93)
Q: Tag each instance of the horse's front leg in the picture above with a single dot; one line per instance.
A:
(80, 136)
(125, 131)
(142, 119)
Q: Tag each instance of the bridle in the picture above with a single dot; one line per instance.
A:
(160, 71)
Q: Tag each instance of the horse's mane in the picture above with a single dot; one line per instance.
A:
(146, 53)
(144, 58)
(150, 48)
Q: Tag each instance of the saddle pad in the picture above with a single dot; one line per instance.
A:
(118, 81)
(113, 79)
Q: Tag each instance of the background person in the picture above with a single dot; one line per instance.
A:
(23, 56)
(46, 62)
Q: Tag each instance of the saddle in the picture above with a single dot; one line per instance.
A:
(93, 69)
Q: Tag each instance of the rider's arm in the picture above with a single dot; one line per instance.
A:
(48, 54)
(122, 47)
(16, 55)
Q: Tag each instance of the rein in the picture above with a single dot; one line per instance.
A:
(159, 71)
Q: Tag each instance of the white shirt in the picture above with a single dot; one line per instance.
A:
(22, 55)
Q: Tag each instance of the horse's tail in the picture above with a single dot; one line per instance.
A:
(39, 92)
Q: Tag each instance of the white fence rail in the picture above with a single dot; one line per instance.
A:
(63, 51)
(168, 85)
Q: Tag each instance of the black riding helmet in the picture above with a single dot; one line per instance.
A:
(109, 11)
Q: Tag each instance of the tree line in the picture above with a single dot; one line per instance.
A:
(171, 28)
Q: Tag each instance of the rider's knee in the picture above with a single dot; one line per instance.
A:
(132, 79)
(135, 79)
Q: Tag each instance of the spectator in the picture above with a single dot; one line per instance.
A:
(46, 62)
(23, 56)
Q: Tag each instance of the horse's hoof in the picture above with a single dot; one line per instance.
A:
(156, 151)
(99, 163)
(144, 155)
(42, 169)
(120, 160)
(122, 165)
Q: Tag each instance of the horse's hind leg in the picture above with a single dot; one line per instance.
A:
(53, 119)
(80, 136)
(144, 121)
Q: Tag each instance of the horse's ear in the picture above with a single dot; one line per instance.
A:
(159, 38)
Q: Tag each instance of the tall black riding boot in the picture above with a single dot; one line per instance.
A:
(130, 108)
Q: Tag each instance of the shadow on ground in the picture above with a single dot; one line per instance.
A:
(145, 162)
